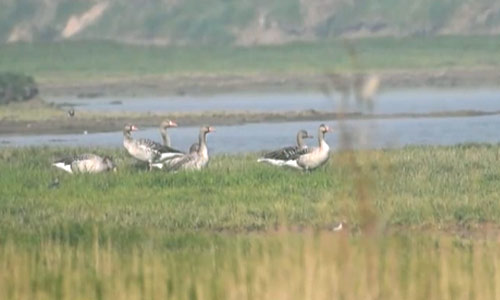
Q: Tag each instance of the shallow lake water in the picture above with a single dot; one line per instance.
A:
(387, 102)
(387, 133)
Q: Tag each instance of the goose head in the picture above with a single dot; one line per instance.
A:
(301, 135)
(207, 129)
(129, 128)
(304, 135)
(168, 124)
(324, 128)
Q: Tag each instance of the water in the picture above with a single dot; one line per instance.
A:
(388, 133)
(388, 102)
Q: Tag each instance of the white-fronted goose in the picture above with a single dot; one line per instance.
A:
(196, 159)
(306, 158)
(164, 126)
(280, 157)
(85, 163)
(145, 149)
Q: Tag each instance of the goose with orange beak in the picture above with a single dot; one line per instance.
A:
(164, 126)
(146, 150)
(306, 158)
(197, 159)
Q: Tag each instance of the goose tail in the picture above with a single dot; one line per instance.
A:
(63, 166)
(158, 165)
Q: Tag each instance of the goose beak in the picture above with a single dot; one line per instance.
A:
(172, 124)
(211, 129)
(134, 128)
(328, 129)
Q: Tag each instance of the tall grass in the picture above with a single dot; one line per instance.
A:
(279, 266)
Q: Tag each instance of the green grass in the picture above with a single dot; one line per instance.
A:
(241, 230)
(98, 60)
(410, 187)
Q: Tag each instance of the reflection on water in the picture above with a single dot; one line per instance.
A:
(389, 102)
(264, 136)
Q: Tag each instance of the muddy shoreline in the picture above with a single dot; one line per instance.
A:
(158, 85)
(96, 124)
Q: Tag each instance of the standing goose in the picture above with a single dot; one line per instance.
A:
(145, 149)
(163, 131)
(307, 158)
(85, 163)
(196, 159)
(282, 156)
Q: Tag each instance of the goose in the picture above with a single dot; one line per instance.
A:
(304, 159)
(276, 157)
(145, 149)
(196, 159)
(194, 148)
(163, 131)
(166, 138)
(85, 163)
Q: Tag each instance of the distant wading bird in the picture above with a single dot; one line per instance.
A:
(276, 157)
(85, 163)
(146, 150)
(304, 159)
(196, 159)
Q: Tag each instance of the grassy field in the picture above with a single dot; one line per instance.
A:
(66, 61)
(240, 230)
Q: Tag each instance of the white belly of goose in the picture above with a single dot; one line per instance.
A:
(316, 158)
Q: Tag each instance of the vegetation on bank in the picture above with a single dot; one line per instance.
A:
(67, 61)
(16, 87)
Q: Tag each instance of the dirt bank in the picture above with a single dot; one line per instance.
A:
(97, 123)
(202, 84)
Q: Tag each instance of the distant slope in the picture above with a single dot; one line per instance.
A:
(243, 22)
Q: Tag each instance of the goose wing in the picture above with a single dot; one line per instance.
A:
(71, 159)
(162, 151)
(287, 153)
(176, 163)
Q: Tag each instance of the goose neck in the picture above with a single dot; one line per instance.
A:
(127, 135)
(202, 140)
(300, 141)
(165, 137)
(321, 137)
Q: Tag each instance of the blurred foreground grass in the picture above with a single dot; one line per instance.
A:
(256, 266)
(241, 230)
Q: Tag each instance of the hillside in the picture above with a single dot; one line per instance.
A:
(241, 22)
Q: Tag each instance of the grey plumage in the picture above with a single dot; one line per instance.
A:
(85, 163)
(145, 149)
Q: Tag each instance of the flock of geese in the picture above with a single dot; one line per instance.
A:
(164, 157)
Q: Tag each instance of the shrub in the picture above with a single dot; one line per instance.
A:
(16, 87)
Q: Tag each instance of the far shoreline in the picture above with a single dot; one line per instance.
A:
(130, 85)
